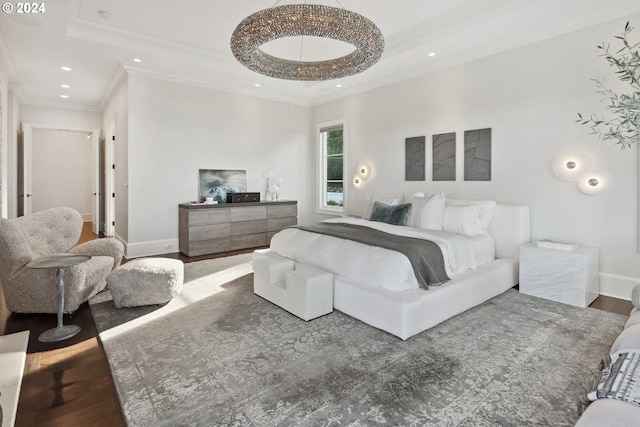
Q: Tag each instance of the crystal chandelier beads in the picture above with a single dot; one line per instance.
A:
(307, 20)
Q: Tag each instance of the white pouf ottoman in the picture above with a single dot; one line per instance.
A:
(146, 281)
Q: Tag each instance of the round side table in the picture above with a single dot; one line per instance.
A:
(60, 332)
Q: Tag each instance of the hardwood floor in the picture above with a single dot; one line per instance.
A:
(69, 383)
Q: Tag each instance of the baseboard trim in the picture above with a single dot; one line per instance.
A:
(155, 247)
(617, 286)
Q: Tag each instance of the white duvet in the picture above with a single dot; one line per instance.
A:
(372, 265)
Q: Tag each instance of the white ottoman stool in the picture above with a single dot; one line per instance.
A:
(303, 291)
(146, 281)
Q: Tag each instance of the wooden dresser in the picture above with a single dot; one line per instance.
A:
(209, 229)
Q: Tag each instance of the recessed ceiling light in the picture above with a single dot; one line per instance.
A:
(338, 85)
(137, 60)
(64, 96)
(65, 86)
(65, 68)
(431, 54)
(257, 84)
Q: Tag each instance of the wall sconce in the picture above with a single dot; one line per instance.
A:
(593, 182)
(363, 172)
(570, 165)
(577, 165)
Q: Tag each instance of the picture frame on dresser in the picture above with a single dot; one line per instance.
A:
(216, 183)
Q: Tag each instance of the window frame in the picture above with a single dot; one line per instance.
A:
(321, 175)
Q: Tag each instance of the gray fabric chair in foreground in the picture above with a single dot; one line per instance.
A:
(51, 232)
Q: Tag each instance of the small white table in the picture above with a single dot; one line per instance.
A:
(567, 276)
(60, 332)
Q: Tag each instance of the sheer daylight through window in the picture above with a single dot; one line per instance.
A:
(331, 140)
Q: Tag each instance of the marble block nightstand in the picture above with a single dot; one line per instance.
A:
(570, 277)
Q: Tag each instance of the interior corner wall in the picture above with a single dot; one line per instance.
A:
(177, 129)
(529, 97)
(117, 110)
(4, 143)
(13, 126)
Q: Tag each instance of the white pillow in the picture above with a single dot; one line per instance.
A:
(486, 209)
(426, 212)
(463, 219)
(387, 200)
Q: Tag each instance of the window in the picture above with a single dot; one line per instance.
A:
(331, 143)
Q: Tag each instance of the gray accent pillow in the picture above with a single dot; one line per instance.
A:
(396, 215)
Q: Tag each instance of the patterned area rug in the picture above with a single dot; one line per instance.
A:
(220, 355)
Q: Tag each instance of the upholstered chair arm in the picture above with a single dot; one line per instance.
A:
(101, 247)
(33, 290)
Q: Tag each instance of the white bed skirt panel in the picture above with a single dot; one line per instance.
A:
(407, 313)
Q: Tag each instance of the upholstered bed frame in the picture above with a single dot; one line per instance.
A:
(407, 313)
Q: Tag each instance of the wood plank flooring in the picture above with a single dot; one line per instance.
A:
(70, 384)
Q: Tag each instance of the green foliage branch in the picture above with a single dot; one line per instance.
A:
(623, 128)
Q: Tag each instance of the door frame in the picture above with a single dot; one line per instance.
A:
(109, 177)
(27, 131)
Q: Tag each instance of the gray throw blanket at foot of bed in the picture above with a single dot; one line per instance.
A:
(425, 256)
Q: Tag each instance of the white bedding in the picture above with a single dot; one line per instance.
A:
(371, 265)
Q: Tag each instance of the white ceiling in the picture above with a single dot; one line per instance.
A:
(188, 41)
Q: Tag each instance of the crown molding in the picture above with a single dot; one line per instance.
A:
(172, 78)
(7, 67)
(116, 81)
(84, 29)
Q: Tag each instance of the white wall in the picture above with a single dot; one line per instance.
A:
(62, 166)
(530, 98)
(11, 138)
(175, 129)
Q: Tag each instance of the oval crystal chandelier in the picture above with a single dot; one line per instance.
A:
(307, 20)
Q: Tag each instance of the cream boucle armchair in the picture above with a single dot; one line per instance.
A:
(45, 233)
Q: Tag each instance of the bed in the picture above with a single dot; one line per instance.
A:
(378, 286)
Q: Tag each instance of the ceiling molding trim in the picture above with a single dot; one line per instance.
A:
(116, 81)
(7, 66)
(110, 36)
(63, 106)
(440, 26)
(210, 85)
(493, 48)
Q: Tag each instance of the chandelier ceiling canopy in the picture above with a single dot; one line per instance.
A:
(307, 20)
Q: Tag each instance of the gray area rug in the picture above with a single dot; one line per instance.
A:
(220, 355)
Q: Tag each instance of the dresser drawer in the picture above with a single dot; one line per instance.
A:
(207, 232)
(248, 227)
(279, 211)
(211, 246)
(248, 241)
(248, 213)
(277, 224)
(208, 217)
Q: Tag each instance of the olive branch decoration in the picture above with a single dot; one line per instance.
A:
(623, 128)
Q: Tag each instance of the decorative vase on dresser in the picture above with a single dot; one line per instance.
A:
(567, 276)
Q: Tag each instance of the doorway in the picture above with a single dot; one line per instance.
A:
(60, 167)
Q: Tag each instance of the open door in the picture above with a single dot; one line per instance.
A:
(95, 174)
